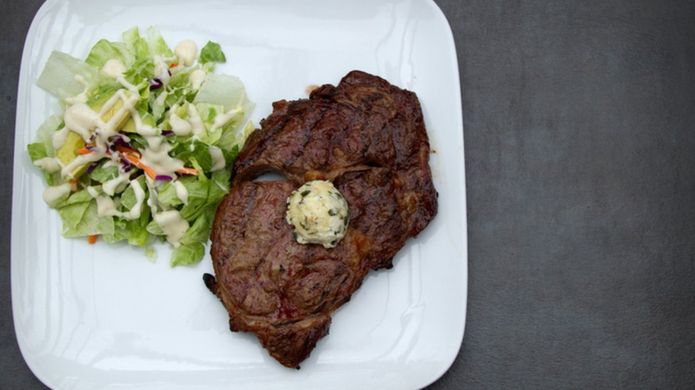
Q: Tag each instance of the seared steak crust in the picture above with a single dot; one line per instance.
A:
(369, 138)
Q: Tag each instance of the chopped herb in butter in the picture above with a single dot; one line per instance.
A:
(318, 212)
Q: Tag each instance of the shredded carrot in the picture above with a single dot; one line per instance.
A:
(133, 159)
(187, 171)
(73, 184)
(83, 150)
(174, 65)
(92, 238)
(127, 150)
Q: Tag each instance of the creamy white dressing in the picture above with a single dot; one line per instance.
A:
(194, 118)
(100, 145)
(82, 96)
(93, 192)
(161, 98)
(152, 199)
(53, 194)
(108, 105)
(69, 170)
(136, 210)
(156, 156)
(140, 127)
(82, 120)
(113, 68)
(79, 98)
(59, 137)
(217, 158)
(222, 119)
(110, 187)
(161, 69)
(128, 100)
(106, 207)
(48, 164)
(130, 87)
(173, 225)
(181, 191)
(186, 51)
(96, 132)
(196, 78)
(179, 126)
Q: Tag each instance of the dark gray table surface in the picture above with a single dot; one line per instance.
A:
(579, 124)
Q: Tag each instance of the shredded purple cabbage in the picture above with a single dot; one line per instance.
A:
(118, 140)
(126, 165)
(163, 177)
(92, 166)
(155, 84)
(167, 133)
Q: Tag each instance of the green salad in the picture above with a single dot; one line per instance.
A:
(144, 146)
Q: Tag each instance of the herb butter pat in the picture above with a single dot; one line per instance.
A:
(319, 213)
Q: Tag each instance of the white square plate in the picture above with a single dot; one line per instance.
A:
(99, 316)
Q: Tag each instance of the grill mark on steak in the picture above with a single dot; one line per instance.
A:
(368, 137)
(279, 147)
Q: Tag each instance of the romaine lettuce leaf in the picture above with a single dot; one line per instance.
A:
(230, 156)
(154, 229)
(37, 151)
(90, 222)
(137, 229)
(128, 199)
(76, 198)
(137, 45)
(103, 173)
(234, 136)
(103, 91)
(72, 214)
(60, 75)
(211, 52)
(139, 74)
(180, 78)
(120, 231)
(219, 186)
(197, 194)
(157, 104)
(221, 102)
(208, 112)
(167, 196)
(200, 229)
(193, 150)
(43, 147)
(189, 254)
(157, 44)
(103, 51)
(44, 134)
(224, 90)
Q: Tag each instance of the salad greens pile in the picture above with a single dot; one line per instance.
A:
(144, 147)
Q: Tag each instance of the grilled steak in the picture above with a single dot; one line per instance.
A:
(369, 138)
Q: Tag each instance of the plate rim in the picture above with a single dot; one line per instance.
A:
(22, 85)
(14, 285)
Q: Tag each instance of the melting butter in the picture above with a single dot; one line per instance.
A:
(318, 212)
